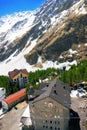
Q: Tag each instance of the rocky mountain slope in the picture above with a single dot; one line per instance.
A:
(47, 32)
(70, 28)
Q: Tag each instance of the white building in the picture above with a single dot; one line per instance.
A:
(25, 119)
(2, 93)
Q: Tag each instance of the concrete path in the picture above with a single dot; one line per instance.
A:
(11, 120)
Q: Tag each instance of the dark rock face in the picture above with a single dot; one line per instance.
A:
(51, 39)
(33, 58)
(63, 43)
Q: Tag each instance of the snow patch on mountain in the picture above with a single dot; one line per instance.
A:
(30, 46)
(51, 64)
(16, 25)
(19, 62)
(81, 10)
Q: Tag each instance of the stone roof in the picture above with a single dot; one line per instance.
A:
(57, 90)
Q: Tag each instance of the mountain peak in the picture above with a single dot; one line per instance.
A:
(45, 32)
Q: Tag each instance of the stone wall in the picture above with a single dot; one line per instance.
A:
(49, 114)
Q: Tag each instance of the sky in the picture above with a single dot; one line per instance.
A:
(11, 6)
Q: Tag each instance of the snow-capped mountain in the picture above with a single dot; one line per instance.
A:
(37, 36)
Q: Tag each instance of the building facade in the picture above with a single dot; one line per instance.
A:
(19, 77)
(49, 110)
(11, 100)
(2, 93)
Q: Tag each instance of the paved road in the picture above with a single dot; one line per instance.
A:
(11, 120)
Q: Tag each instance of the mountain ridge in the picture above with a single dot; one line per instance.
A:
(52, 39)
(46, 32)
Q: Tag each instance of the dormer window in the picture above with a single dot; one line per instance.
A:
(64, 87)
(55, 92)
(47, 85)
(51, 122)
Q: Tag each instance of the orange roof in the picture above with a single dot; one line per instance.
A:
(14, 97)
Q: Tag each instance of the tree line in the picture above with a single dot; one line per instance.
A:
(37, 77)
(74, 75)
(5, 83)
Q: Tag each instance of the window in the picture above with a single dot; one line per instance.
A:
(21, 75)
(46, 121)
(14, 79)
(55, 122)
(64, 87)
(58, 128)
(55, 92)
(51, 127)
(0, 104)
(51, 122)
(47, 85)
(58, 122)
(43, 126)
(55, 128)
